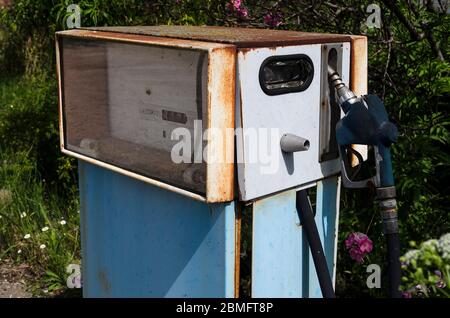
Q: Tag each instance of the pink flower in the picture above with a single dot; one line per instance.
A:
(235, 6)
(359, 245)
(242, 12)
(406, 295)
(273, 19)
(5, 3)
(356, 255)
(365, 245)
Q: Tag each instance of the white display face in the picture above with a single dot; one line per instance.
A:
(297, 113)
(153, 90)
(122, 101)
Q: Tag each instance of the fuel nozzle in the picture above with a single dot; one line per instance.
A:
(344, 94)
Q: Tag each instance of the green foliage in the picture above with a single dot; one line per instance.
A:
(29, 124)
(37, 183)
(27, 28)
(37, 226)
(426, 270)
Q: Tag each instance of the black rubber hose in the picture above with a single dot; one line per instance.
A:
(306, 215)
(388, 211)
(394, 268)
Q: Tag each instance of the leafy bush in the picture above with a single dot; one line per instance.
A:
(37, 188)
(427, 269)
(29, 124)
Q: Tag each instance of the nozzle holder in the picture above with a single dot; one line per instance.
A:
(343, 92)
(291, 143)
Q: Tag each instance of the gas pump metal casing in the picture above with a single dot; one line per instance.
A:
(152, 227)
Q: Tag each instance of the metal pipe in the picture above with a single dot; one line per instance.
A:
(394, 266)
(343, 92)
(306, 215)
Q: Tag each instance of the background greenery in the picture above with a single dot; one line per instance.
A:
(408, 67)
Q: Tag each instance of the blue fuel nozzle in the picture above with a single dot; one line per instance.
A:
(365, 122)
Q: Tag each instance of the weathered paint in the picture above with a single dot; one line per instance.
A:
(294, 113)
(327, 218)
(221, 109)
(282, 265)
(240, 37)
(327, 121)
(139, 240)
(143, 241)
(143, 39)
(135, 176)
(276, 247)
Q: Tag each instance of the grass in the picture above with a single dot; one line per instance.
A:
(39, 225)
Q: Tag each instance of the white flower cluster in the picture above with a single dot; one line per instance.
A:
(411, 256)
(431, 245)
(444, 246)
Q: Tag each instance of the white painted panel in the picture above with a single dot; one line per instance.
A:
(295, 113)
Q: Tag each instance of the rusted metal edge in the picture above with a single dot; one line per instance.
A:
(358, 80)
(143, 39)
(139, 177)
(221, 108)
(60, 102)
(336, 230)
(299, 187)
(241, 125)
(238, 36)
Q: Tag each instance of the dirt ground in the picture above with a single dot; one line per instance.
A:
(13, 280)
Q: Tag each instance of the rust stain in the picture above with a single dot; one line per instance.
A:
(324, 106)
(105, 284)
(221, 109)
(358, 65)
(240, 37)
(246, 50)
(136, 38)
(358, 79)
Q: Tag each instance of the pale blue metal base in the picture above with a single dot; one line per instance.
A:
(142, 241)
(282, 264)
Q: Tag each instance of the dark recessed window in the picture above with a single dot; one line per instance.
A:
(286, 74)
